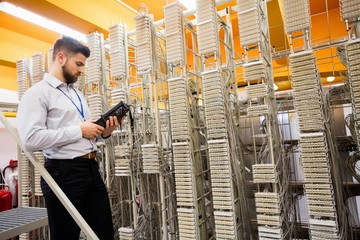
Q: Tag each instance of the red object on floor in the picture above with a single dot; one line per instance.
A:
(5, 199)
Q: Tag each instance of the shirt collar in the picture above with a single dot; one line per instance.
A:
(53, 81)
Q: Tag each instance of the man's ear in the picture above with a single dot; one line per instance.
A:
(61, 57)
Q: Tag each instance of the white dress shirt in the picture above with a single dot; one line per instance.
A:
(48, 120)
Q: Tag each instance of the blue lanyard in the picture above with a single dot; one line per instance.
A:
(82, 109)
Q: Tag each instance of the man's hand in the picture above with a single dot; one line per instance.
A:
(111, 124)
(91, 130)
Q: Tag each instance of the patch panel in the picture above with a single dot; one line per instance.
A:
(259, 110)
(174, 35)
(304, 88)
(93, 67)
(318, 213)
(24, 180)
(254, 71)
(322, 202)
(303, 98)
(117, 96)
(300, 76)
(316, 145)
(95, 105)
(353, 49)
(264, 173)
(322, 154)
(40, 157)
(267, 209)
(206, 26)
(311, 125)
(117, 50)
(314, 178)
(122, 151)
(321, 229)
(122, 167)
(267, 197)
(21, 76)
(178, 109)
(49, 58)
(143, 43)
(314, 93)
(314, 103)
(350, 9)
(318, 192)
(297, 15)
(308, 167)
(268, 220)
(249, 23)
(306, 149)
(257, 90)
(126, 233)
(37, 68)
(269, 233)
(225, 225)
(187, 218)
(184, 175)
(320, 176)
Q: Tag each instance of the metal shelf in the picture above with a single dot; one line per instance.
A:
(21, 220)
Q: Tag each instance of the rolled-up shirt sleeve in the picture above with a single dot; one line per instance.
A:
(32, 129)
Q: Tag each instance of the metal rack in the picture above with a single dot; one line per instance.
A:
(21, 220)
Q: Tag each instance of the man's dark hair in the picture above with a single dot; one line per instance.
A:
(70, 46)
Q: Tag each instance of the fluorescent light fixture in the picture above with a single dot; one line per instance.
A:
(189, 4)
(40, 21)
(330, 78)
(276, 87)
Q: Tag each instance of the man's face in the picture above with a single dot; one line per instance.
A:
(73, 67)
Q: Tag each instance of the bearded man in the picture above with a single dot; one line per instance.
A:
(54, 117)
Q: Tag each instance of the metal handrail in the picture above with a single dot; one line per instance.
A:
(52, 184)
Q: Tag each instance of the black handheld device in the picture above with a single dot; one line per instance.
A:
(119, 110)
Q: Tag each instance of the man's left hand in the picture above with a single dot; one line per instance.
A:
(111, 124)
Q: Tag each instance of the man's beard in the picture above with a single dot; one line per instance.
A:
(69, 78)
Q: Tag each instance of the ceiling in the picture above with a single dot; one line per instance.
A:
(86, 16)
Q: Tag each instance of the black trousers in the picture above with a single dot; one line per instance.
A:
(81, 182)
